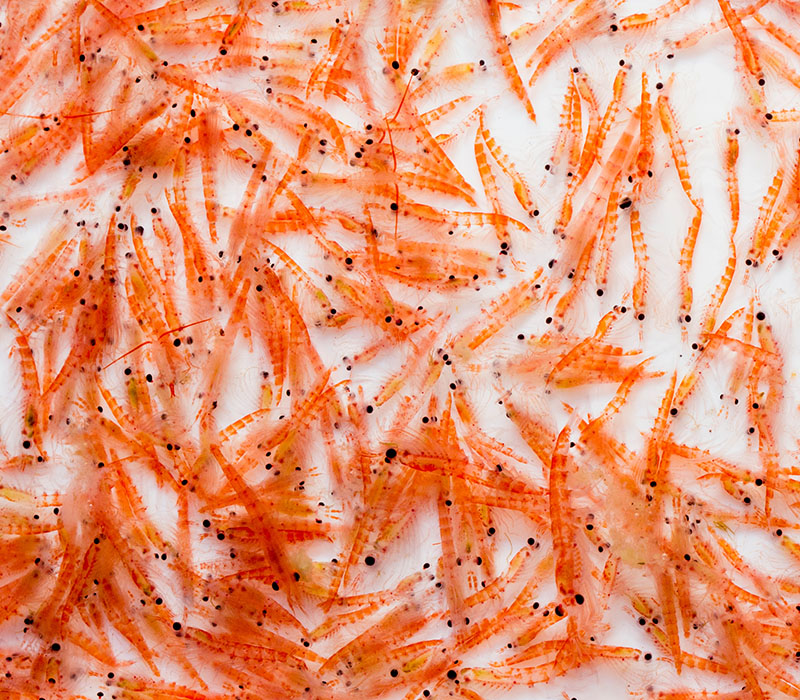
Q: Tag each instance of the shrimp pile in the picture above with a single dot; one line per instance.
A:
(399, 349)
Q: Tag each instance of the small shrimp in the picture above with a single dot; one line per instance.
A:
(640, 260)
(644, 20)
(489, 186)
(521, 191)
(584, 14)
(731, 177)
(759, 246)
(748, 53)
(31, 423)
(507, 60)
(498, 314)
(670, 127)
(687, 253)
(564, 132)
(564, 546)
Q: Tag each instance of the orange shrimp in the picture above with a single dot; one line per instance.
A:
(748, 53)
(759, 245)
(687, 253)
(583, 15)
(32, 421)
(590, 144)
(607, 233)
(643, 20)
(598, 198)
(731, 177)
(640, 258)
(564, 132)
(489, 186)
(670, 127)
(521, 190)
(507, 60)
(563, 540)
